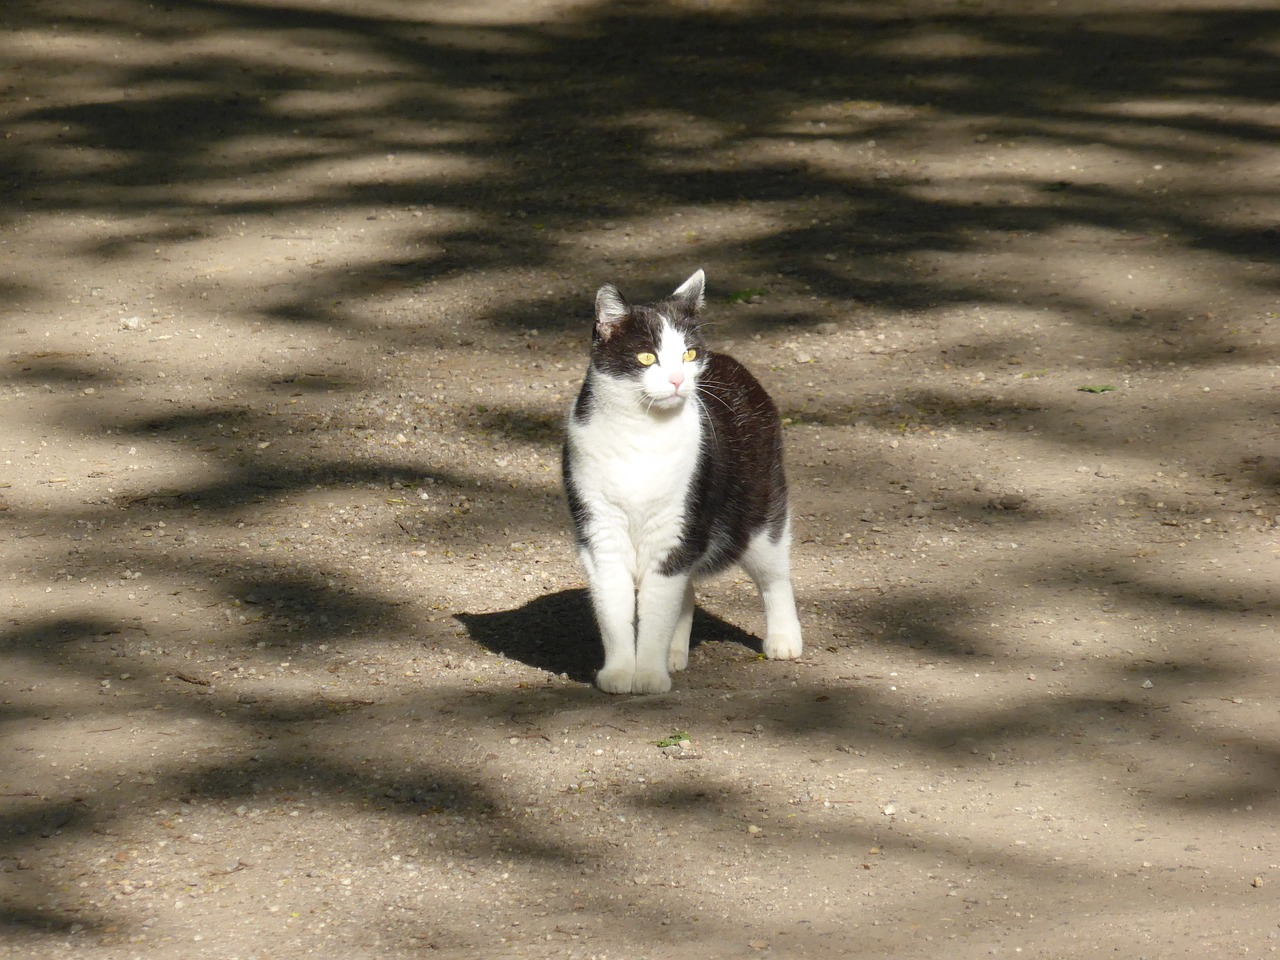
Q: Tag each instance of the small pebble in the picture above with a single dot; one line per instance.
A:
(1010, 501)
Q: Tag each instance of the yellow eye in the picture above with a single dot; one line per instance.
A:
(646, 359)
(690, 355)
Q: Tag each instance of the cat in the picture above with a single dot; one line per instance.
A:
(673, 471)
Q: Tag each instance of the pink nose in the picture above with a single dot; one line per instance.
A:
(676, 379)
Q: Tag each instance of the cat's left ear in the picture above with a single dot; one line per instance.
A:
(691, 291)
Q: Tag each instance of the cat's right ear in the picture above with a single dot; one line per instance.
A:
(611, 310)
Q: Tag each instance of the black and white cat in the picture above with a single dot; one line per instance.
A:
(673, 471)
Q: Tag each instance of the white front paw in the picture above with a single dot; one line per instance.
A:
(677, 658)
(783, 645)
(615, 679)
(651, 681)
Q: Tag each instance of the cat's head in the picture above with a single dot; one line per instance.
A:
(654, 350)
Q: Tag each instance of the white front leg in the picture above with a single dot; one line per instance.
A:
(613, 597)
(660, 605)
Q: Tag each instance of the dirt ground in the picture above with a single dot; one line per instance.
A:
(296, 657)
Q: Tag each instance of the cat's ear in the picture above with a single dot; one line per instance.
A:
(691, 291)
(611, 310)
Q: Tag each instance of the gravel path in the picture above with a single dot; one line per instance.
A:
(296, 656)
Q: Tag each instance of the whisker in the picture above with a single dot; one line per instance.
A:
(708, 420)
(725, 403)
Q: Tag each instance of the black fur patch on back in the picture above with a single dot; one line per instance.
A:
(739, 487)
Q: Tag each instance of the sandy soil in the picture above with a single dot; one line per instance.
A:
(296, 657)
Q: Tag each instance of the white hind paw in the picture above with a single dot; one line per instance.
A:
(783, 646)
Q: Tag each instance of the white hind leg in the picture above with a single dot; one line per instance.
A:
(768, 563)
(678, 656)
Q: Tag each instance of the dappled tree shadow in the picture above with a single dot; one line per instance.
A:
(776, 144)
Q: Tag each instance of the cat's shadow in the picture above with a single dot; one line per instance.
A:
(557, 633)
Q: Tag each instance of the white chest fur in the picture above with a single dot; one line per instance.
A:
(632, 471)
